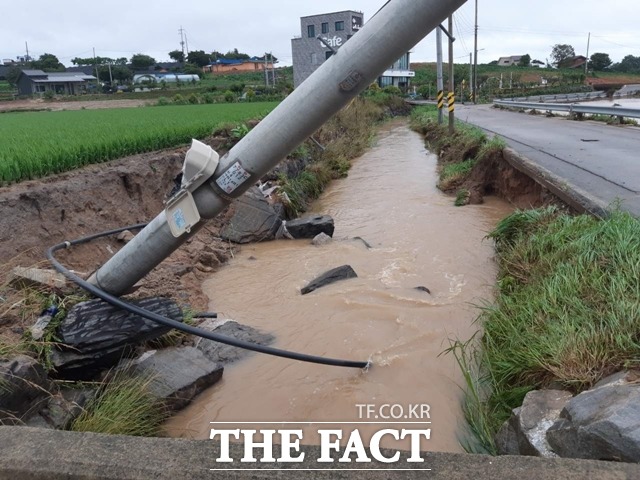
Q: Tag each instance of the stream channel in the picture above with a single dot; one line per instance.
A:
(418, 238)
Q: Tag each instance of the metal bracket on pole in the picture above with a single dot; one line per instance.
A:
(446, 32)
(181, 211)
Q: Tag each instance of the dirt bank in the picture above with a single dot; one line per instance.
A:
(38, 214)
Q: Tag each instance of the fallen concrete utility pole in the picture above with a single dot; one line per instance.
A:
(209, 186)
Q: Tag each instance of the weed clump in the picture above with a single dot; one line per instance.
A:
(123, 406)
(566, 312)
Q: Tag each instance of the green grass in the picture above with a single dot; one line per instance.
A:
(567, 311)
(454, 173)
(458, 153)
(123, 406)
(36, 144)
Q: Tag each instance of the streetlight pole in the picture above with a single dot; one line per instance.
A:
(451, 79)
(475, 61)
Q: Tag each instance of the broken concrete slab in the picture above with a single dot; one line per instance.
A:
(335, 275)
(22, 277)
(178, 374)
(254, 219)
(223, 353)
(309, 227)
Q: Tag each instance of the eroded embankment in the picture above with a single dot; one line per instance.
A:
(38, 214)
(472, 166)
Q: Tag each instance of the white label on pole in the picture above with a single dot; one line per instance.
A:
(233, 178)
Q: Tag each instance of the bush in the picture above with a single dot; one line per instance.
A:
(194, 99)
(179, 99)
(237, 87)
(229, 96)
(393, 90)
(162, 101)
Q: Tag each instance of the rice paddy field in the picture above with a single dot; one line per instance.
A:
(37, 144)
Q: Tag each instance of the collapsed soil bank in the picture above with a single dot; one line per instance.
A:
(40, 213)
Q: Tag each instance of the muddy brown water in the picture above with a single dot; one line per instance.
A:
(418, 238)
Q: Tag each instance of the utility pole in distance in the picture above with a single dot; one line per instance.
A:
(475, 61)
(451, 96)
(95, 64)
(586, 64)
(440, 95)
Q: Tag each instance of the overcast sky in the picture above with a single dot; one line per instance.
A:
(118, 28)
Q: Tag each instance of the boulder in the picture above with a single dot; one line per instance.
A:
(24, 385)
(340, 273)
(61, 409)
(223, 353)
(95, 335)
(602, 423)
(309, 227)
(321, 239)
(254, 219)
(178, 374)
(125, 237)
(525, 432)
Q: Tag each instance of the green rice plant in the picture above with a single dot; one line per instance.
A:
(124, 405)
(36, 144)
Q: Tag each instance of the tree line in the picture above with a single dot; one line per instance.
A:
(562, 55)
(122, 69)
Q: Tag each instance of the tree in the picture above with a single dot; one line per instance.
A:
(600, 61)
(121, 73)
(92, 61)
(48, 63)
(142, 62)
(525, 61)
(177, 55)
(12, 75)
(199, 58)
(235, 55)
(192, 69)
(629, 64)
(562, 52)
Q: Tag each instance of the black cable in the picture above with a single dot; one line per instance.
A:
(117, 302)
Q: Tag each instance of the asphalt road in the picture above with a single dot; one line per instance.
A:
(600, 159)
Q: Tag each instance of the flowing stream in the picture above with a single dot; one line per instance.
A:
(418, 239)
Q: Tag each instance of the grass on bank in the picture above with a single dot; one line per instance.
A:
(123, 406)
(458, 153)
(566, 313)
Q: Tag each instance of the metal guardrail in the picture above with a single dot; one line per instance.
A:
(572, 108)
(560, 97)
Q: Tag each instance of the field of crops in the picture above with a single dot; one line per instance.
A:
(36, 144)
